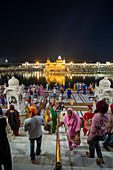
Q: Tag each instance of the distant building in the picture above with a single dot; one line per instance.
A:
(61, 65)
(34, 65)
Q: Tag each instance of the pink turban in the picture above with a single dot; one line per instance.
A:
(102, 107)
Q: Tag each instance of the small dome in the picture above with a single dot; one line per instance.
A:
(13, 82)
(105, 83)
(59, 58)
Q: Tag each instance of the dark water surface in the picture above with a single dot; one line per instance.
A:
(37, 77)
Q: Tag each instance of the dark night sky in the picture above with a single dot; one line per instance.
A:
(79, 30)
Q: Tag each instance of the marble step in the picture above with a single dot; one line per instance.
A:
(73, 161)
(20, 149)
(78, 161)
(32, 167)
(84, 168)
(18, 142)
(48, 159)
(47, 167)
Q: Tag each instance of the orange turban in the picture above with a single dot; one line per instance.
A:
(33, 109)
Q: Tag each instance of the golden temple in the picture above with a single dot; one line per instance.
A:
(58, 66)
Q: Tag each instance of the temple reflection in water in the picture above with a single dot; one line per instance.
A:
(39, 77)
(51, 78)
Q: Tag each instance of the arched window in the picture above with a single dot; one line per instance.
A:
(12, 100)
(20, 98)
(107, 100)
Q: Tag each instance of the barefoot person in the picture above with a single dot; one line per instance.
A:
(72, 120)
(98, 130)
(87, 120)
(48, 120)
(54, 119)
(33, 126)
(13, 119)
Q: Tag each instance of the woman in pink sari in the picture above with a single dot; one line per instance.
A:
(72, 120)
(41, 89)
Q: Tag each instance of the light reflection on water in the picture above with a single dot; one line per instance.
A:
(38, 77)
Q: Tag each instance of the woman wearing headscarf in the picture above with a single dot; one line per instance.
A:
(54, 119)
(13, 119)
(74, 87)
(72, 120)
(98, 130)
(48, 119)
(54, 105)
(87, 120)
(41, 90)
(5, 155)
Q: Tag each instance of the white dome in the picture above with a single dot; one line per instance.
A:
(13, 82)
(105, 83)
(59, 58)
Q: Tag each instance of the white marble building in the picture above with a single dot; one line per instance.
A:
(14, 95)
(104, 91)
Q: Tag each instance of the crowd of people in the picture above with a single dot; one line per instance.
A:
(97, 126)
(35, 90)
(83, 87)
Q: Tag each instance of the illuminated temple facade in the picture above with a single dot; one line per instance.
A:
(57, 66)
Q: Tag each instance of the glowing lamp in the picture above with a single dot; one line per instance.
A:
(71, 62)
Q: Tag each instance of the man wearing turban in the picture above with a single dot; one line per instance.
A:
(33, 126)
(98, 131)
